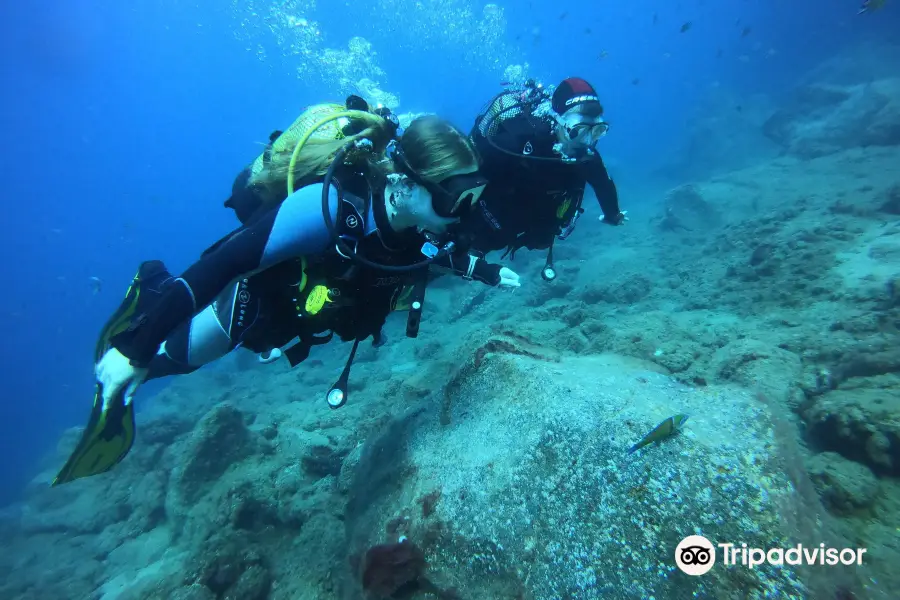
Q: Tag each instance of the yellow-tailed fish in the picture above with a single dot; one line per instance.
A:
(661, 432)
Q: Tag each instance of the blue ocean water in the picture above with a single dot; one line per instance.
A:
(124, 124)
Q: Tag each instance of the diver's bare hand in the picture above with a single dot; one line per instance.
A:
(509, 278)
(115, 373)
(619, 219)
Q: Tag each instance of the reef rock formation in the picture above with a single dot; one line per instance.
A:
(685, 209)
(530, 492)
(860, 424)
(827, 118)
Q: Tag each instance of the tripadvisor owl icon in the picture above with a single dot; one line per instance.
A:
(695, 555)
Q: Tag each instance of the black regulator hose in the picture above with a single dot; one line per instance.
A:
(341, 245)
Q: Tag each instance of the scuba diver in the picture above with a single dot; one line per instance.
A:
(256, 191)
(363, 219)
(538, 151)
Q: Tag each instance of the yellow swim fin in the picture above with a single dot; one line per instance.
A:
(109, 434)
(404, 298)
(106, 440)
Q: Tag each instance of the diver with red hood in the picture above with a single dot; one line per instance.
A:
(538, 151)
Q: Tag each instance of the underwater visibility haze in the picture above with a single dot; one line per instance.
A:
(724, 363)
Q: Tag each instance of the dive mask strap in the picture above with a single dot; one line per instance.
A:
(450, 194)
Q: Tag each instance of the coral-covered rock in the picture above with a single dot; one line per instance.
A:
(193, 592)
(149, 498)
(861, 424)
(348, 470)
(685, 209)
(627, 290)
(253, 584)
(891, 203)
(827, 118)
(220, 440)
(538, 492)
(164, 428)
(388, 568)
(321, 461)
(844, 485)
(85, 506)
(231, 568)
(757, 364)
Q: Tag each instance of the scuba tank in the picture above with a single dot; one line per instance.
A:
(244, 200)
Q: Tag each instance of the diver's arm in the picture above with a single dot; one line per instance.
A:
(295, 228)
(470, 265)
(605, 188)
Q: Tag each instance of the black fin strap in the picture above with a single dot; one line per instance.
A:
(299, 352)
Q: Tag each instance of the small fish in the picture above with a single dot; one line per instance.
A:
(685, 27)
(745, 32)
(587, 30)
(870, 5)
(603, 55)
(563, 16)
(661, 432)
(635, 81)
(655, 18)
(719, 53)
(96, 285)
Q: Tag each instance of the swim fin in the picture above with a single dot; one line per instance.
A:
(109, 434)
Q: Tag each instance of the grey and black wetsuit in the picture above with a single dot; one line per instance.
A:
(245, 289)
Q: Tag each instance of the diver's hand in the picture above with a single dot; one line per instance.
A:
(509, 278)
(115, 372)
(491, 274)
(619, 219)
(379, 339)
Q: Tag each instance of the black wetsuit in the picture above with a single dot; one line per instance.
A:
(250, 288)
(245, 290)
(248, 206)
(529, 201)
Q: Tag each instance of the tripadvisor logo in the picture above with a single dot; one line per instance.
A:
(696, 555)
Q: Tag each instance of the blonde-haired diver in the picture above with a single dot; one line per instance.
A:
(362, 219)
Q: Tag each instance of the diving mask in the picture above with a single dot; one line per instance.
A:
(584, 131)
(453, 195)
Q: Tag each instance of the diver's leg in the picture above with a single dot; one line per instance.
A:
(202, 340)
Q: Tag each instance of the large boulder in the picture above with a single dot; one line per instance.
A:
(827, 118)
(686, 209)
(861, 424)
(845, 486)
(220, 440)
(528, 488)
(755, 364)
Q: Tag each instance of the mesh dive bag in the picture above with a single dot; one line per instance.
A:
(312, 115)
(504, 105)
